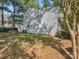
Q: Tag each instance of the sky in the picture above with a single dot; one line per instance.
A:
(40, 2)
(10, 7)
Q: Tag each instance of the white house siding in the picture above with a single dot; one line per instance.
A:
(48, 20)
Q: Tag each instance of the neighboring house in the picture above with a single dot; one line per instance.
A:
(50, 19)
(8, 24)
(38, 21)
(32, 19)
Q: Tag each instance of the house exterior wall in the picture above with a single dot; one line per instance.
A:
(48, 21)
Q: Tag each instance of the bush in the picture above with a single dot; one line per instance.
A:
(63, 34)
(5, 29)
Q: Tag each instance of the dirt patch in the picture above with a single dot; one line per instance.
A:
(25, 50)
(41, 52)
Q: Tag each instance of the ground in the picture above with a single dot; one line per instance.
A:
(28, 46)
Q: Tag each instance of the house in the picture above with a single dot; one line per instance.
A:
(38, 21)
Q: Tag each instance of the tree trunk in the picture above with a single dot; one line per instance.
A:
(73, 39)
(77, 41)
(71, 31)
(14, 13)
(72, 36)
(2, 14)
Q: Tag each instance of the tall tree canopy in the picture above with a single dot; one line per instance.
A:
(2, 7)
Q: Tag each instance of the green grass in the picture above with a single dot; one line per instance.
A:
(31, 38)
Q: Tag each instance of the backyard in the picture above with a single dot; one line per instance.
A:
(39, 29)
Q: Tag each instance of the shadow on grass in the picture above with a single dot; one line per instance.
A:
(15, 52)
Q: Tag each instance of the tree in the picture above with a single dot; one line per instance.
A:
(70, 10)
(3, 2)
(18, 20)
(15, 3)
(30, 3)
(47, 5)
